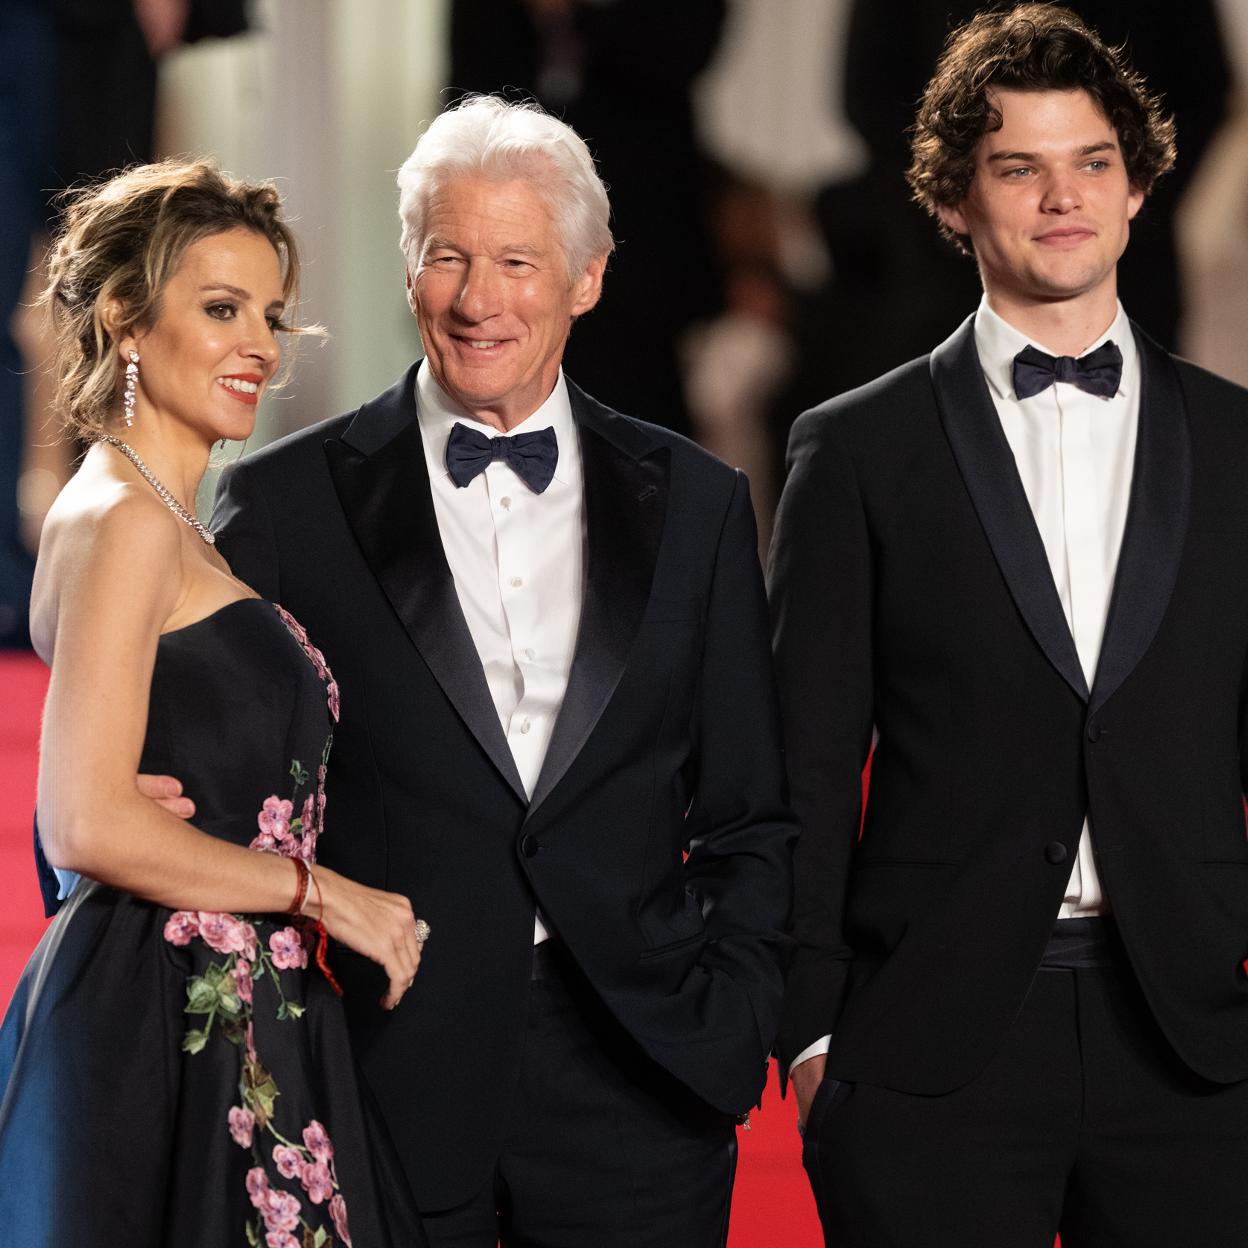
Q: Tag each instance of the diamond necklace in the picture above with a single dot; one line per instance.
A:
(162, 492)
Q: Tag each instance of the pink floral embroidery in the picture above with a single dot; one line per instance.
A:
(242, 980)
(338, 1211)
(316, 1141)
(274, 818)
(288, 950)
(289, 1161)
(181, 928)
(226, 933)
(258, 1187)
(309, 828)
(242, 1123)
(317, 659)
(317, 1182)
(280, 1239)
(281, 1212)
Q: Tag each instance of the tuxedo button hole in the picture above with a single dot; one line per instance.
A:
(529, 845)
(1095, 731)
(1055, 853)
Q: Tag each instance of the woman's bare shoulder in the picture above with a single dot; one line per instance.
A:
(103, 538)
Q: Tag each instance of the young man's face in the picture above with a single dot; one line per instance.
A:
(1049, 205)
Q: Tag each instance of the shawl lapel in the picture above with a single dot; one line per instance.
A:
(626, 489)
(987, 465)
(379, 471)
(1157, 516)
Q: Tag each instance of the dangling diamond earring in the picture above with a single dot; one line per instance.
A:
(132, 384)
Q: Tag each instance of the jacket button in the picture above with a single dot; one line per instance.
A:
(529, 845)
(1094, 730)
(1055, 852)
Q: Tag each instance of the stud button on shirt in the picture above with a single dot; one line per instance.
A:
(517, 559)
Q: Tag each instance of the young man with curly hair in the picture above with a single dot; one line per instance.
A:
(1018, 1004)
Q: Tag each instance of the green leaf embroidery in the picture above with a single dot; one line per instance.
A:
(259, 1092)
(201, 995)
(193, 1041)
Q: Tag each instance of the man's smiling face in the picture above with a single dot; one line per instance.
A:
(1050, 205)
(493, 296)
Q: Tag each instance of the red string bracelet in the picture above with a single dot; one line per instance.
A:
(301, 886)
(322, 942)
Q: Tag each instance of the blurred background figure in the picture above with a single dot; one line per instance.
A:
(25, 104)
(770, 109)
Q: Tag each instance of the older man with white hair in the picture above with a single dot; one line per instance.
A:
(559, 732)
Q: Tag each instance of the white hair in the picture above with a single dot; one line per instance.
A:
(488, 136)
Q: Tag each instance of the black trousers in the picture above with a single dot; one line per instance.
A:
(1085, 1123)
(603, 1148)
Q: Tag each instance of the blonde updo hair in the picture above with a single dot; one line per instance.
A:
(121, 242)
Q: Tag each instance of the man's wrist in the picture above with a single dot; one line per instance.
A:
(818, 1049)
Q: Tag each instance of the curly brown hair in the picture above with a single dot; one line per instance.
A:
(1031, 47)
(119, 244)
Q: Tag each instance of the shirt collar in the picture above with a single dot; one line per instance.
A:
(437, 412)
(998, 342)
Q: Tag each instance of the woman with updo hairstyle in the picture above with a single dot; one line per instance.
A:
(174, 1063)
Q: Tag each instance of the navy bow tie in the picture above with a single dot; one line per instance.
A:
(1098, 372)
(532, 456)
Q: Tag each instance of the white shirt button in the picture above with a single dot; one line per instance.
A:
(516, 582)
(530, 653)
(505, 502)
(525, 725)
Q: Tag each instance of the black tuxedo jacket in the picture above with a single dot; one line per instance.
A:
(667, 741)
(912, 595)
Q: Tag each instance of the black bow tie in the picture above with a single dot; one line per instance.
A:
(1098, 372)
(532, 456)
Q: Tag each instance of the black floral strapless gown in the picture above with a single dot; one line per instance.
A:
(178, 1079)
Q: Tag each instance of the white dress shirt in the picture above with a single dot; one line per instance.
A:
(1075, 453)
(518, 560)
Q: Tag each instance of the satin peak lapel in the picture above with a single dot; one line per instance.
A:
(987, 465)
(1157, 515)
(626, 485)
(378, 469)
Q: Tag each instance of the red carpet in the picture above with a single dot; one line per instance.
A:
(772, 1206)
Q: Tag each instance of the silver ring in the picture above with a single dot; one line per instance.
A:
(423, 931)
